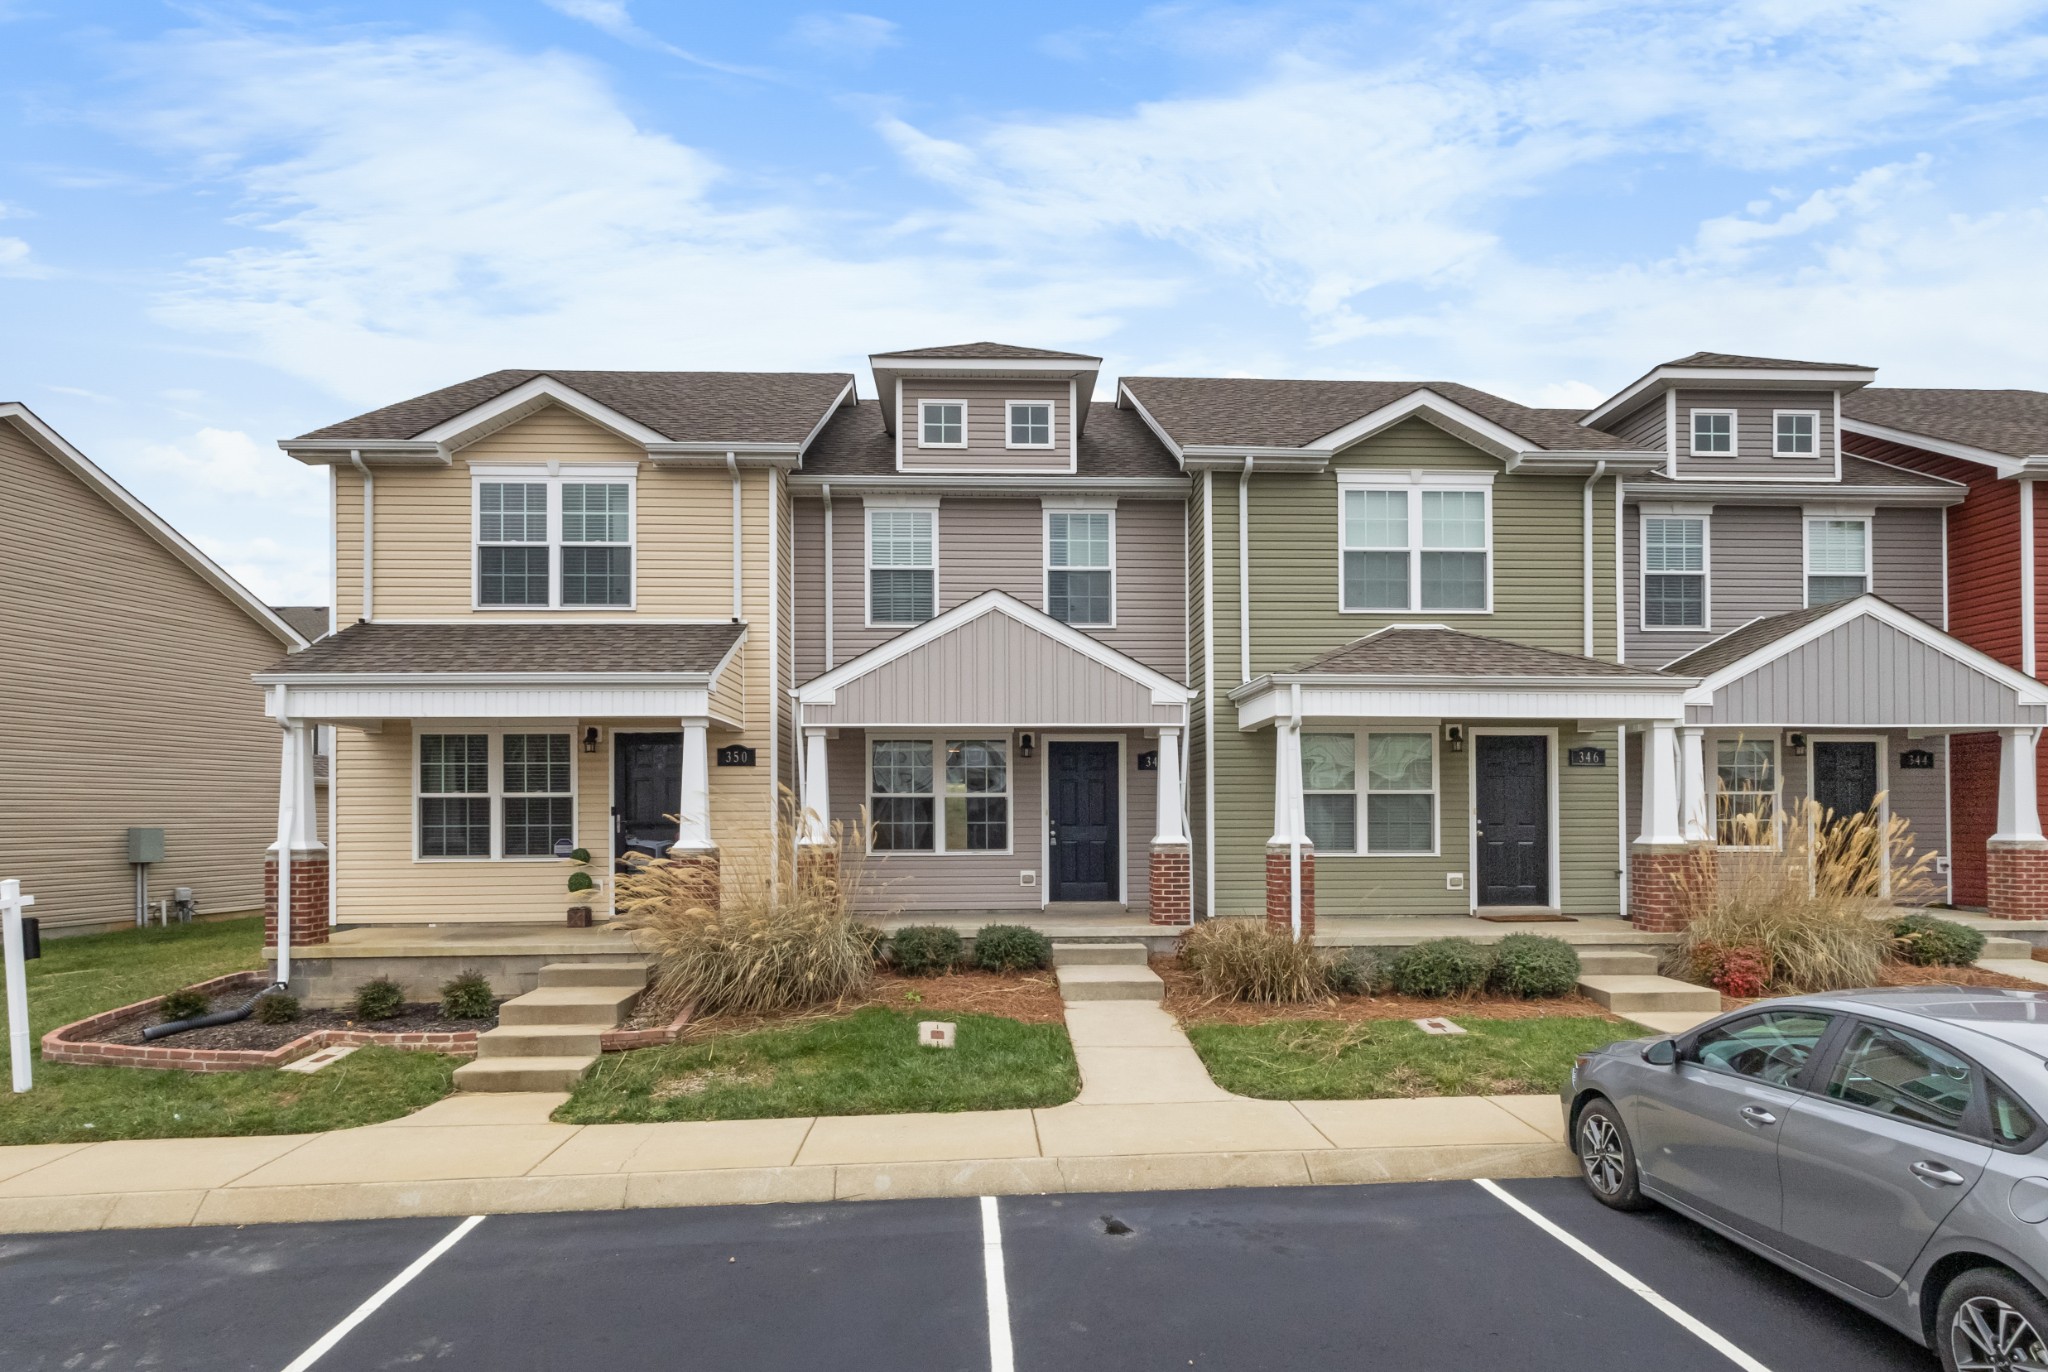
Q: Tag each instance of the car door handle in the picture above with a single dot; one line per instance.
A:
(1758, 1116)
(1935, 1172)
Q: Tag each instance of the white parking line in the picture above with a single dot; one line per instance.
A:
(1684, 1320)
(1000, 1356)
(391, 1288)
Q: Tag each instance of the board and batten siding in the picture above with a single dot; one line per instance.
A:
(1865, 673)
(127, 702)
(988, 430)
(1755, 430)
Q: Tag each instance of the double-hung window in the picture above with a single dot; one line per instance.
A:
(455, 795)
(1674, 572)
(563, 541)
(1713, 433)
(902, 565)
(494, 795)
(1837, 559)
(1397, 786)
(1079, 558)
(942, 423)
(1746, 792)
(1030, 423)
(1795, 433)
(536, 798)
(939, 795)
(1416, 548)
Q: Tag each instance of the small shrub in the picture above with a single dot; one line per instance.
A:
(382, 998)
(1011, 948)
(1534, 965)
(1442, 967)
(1360, 972)
(1241, 959)
(1744, 973)
(467, 997)
(1932, 942)
(277, 1008)
(184, 1003)
(924, 950)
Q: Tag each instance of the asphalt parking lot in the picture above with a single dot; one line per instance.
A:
(1441, 1275)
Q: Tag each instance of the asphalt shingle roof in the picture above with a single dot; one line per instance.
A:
(991, 350)
(1452, 652)
(1734, 646)
(1762, 363)
(1114, 443)
(371, 648)
(309, 620)
(1856, 471)
(2013, 423)
(684, 407)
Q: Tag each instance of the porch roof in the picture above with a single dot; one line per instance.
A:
(376, 649)
(994, 661)
(1856, 663)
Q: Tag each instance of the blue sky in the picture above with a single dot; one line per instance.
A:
(224, 224)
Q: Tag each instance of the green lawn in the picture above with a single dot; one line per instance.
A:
(81, 976)
(867, 1063)
(1327, 1060)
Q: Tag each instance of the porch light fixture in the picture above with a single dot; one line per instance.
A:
(590, 739)
(1025, 745)
(1454, 738)
(1795, 744)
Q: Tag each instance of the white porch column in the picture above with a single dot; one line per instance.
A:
(1661, 823)
(1170, 828)
(693, 804)
(2019, 806)
(817, 798)
(1288, 822)
(295, 826)
(1692, 784)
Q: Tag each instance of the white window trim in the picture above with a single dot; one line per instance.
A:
(1643, 516)
(930, 505)
(1417, 482)
(938, 742)
(1811, 513)
(494, 777)
(966, 418)
(1052, 425)
(1692, 433)
(1361, 744)
(554, 475)
(1045, 555)
(1712, 743)
(1556, 816)
(1777, 451)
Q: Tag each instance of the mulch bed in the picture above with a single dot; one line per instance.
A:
(1186, 1003)
(1907, 974)
(1030, 997)
(249, 1034)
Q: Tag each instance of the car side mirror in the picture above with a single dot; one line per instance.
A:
(1662, 1053)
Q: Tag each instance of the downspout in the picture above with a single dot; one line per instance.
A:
(1244, 572)
(732, 464)
(1599, 470)
(831, 608)
(2027, 659)
(1620, 581)
(355, 458)
(1294, 817)
(1621, 655)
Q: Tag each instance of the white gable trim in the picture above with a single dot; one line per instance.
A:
(527, 398)
(1419, 400)
(1765, 378)
(824, 690)
(1869, 606)
(173, 542)
(2004, 464)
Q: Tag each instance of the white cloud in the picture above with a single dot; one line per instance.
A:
(614, 18)
(230, 462)
(844, 35)
(279, 573)
(16, 260)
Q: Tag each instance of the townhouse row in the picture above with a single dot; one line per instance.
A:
(1218, 646)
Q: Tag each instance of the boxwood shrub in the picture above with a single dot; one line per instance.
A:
(382, 998)
(923, 950)
(1933, 942)
(1534, 965)
(1011, 948)
(1442, 967)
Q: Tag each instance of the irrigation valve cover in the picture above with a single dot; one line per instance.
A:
(933, 1033)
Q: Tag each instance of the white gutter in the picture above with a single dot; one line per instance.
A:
(831, 610)
(732, 464)
(355, 458)
(1586, 519)
(1244, 571)
(2027, 661)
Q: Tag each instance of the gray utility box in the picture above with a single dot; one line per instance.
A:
(145, 845)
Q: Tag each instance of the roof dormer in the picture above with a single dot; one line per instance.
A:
(985, 407)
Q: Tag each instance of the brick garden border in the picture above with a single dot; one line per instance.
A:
(660, 1036)
(60, 1045)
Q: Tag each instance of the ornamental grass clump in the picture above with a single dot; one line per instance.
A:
(1443, 967)
(1533, 966)
(776, 936)
(1241, 959)
(1805, 898)
(1930, 942)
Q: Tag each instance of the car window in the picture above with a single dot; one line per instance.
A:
(1772, 1047)
(1905, 1076)
(2012, 1124)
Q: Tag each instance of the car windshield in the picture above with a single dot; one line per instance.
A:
(1772, 1047)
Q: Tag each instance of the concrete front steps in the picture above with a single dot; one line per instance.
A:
(547, 1038)
(1664, 1004)
(1106, 971)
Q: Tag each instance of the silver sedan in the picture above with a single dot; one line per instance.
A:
(1884, 1145)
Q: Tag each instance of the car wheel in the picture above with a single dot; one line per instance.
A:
(1607, 1160)
(1990, 1319)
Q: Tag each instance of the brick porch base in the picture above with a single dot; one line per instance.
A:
(2016, 880)
(1279, 905)
(309, 900)
(1669, 884)
(697, 868)
(1173, 884)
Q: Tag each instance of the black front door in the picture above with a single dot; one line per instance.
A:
(1082, 819)
(1513, 812)
(1844, 777)
(647, 789)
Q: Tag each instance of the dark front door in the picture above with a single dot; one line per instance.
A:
(647, 789)
(1513, 811)
(1844, 777)
(1081, 815)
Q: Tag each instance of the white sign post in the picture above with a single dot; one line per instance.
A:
(12, 903)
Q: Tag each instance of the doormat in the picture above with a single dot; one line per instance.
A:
(1530, 919)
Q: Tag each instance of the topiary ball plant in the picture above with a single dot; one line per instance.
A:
(1011, 948)
(277, 1008)
(382, 998)
(184, 1003)
(1534, 965)
(1932, 942)
(1442, 967)
(467, 997)
(924, 950)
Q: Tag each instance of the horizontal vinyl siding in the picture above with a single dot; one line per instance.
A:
(144, 718)
(1589, 807)
(987, 425)
(1905, 550)
(1644, 429)
(1754, 435)
(1754, 564)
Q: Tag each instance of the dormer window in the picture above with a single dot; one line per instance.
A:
(1795, 433)
(1713, 433)
(1030, 423)
(942, 423)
